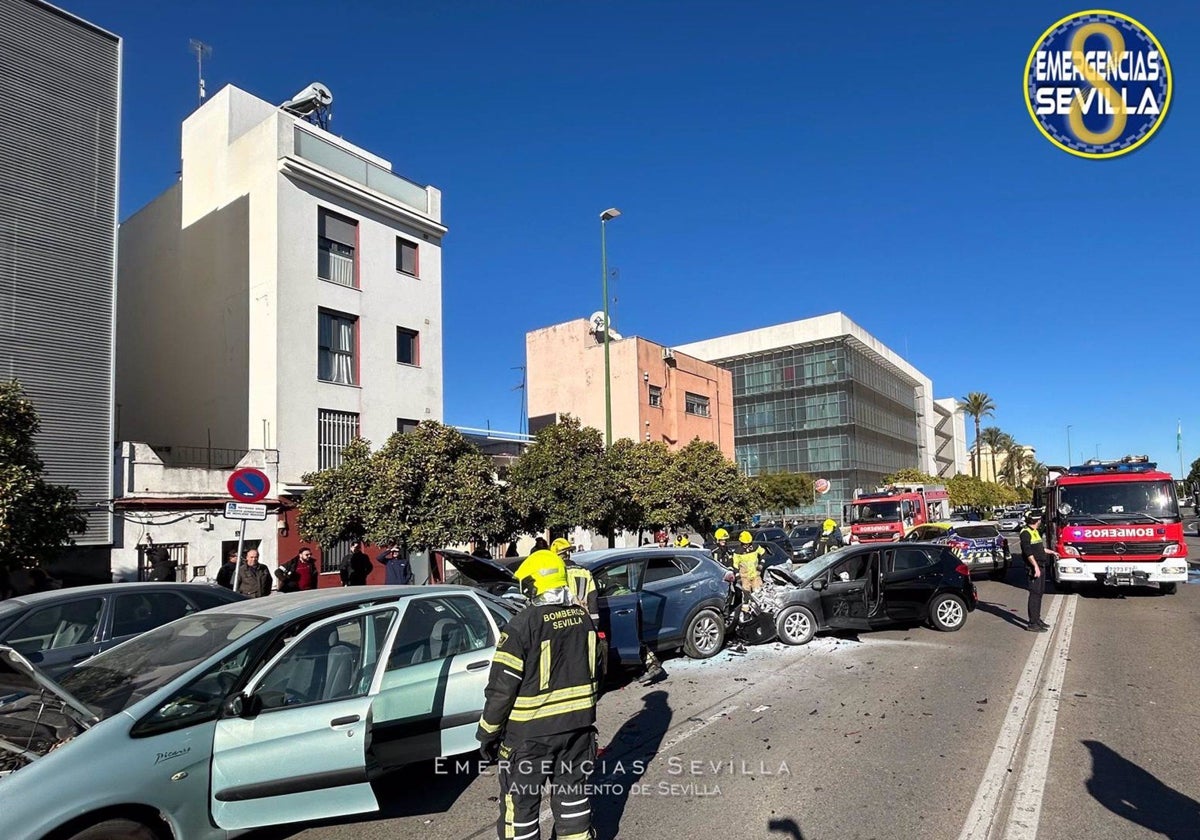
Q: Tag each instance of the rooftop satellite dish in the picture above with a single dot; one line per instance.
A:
(314, 101)
(597, 321)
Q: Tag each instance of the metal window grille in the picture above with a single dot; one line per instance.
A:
(335, 430)
(332, 557)
(178, 552)
(695, 404)
(655, 394)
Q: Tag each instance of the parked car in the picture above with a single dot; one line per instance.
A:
(257, 713)
(679, 594)
(1011, 521)
(863, 587)
(55, 630)
(803, 542)
(980, 544)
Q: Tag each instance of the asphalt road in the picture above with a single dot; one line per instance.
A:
(990, 732)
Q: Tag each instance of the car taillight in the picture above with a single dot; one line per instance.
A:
(962, 569)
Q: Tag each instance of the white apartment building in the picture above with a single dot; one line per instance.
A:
(285, 294)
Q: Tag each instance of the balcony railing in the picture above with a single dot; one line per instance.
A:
(349, 165)
(199, 456)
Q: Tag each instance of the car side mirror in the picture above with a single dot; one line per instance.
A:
(818, 584)
(237, 706)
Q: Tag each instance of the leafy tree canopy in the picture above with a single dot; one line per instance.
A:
(643, 491)
(36, 518)
(710, 488)
(911, 475)
(563, 480)
(779, 492)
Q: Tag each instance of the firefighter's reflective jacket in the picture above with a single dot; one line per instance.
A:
(545, 675)
(583, 589)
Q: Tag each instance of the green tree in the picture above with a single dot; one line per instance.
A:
(1037, 475)
(778, 492)
(336, 506)
(967, 491)
(562, 480)
(421, 490)
(995, 440)
(710, 488)
(978, 405)
(643, 494)
(911, 475)
(1016, 463)
(36, 518)
(1194, 475)
(434, 488)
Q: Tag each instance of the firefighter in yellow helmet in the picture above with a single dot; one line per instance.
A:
(830, 538)
(579, 579)
(746, 560)
(723, 553)
(540, 706)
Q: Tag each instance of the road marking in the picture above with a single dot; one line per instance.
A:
(1031, 785)
(987, 799)
(688, 733)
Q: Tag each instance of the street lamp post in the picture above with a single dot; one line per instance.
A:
(1068, 445)
(605, 217)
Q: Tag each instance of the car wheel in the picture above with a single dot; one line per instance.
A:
(1166, 588)
(947, 612)
(118, 830)
(795, 625)
(705, 635)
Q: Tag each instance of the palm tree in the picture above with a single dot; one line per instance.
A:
(1017, 461)
(1037, 474)
(996, 441)
(978, 405)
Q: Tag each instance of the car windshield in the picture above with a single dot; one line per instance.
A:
(815, 568)
(806, 533)
(977, 532)
(116, 679)
(1126, 501)
(875, 512)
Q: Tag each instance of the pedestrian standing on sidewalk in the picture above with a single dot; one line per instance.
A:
(356, 567)
(1037, 558)
(397, 571)
(254, 581)
(298, 574)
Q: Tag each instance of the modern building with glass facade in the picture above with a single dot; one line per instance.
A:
(824, 397)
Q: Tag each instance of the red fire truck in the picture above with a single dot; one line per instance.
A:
(888, 513)
(1114, 522)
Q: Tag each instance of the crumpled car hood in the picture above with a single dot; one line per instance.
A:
(32, 723)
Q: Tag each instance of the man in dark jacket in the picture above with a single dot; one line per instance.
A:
(397, 571)
(162, 567)
(540, 706)
(254, 581)
(225, 573)
(356, 567)
(299, 573)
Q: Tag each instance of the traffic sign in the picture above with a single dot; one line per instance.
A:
(248, 485)
(240, 510)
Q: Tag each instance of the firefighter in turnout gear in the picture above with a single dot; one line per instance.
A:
(830, 539)
(723, 553)
(746, 559)
(540, 707)
(583, 589)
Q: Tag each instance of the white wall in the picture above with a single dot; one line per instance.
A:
(186, 506)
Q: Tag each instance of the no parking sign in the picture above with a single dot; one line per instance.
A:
(248, 485)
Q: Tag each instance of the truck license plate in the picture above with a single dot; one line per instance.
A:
(1120, 570)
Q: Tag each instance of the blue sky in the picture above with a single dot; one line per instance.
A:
(773, 161)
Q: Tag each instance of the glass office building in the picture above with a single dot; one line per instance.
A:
(823, 397)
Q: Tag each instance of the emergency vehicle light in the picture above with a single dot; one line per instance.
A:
(1111, 467)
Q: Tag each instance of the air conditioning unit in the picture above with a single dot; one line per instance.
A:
(668, 354)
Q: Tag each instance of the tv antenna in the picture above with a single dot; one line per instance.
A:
(202, 51)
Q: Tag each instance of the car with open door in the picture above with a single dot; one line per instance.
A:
(259, 713)
(664, 598)
(864, 587)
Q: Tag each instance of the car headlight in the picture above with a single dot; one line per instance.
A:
(1171, 550)
(1071, 551)
(1174, 570)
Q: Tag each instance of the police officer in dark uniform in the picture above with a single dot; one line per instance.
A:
(1037, 559)
(540, 706)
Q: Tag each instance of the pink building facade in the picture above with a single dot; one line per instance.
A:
(657, 394)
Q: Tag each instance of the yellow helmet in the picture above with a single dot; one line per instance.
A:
(542, 571)
(745, 538)
(683, 541)
(560, 545)
(721, 534)
(828, 526)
